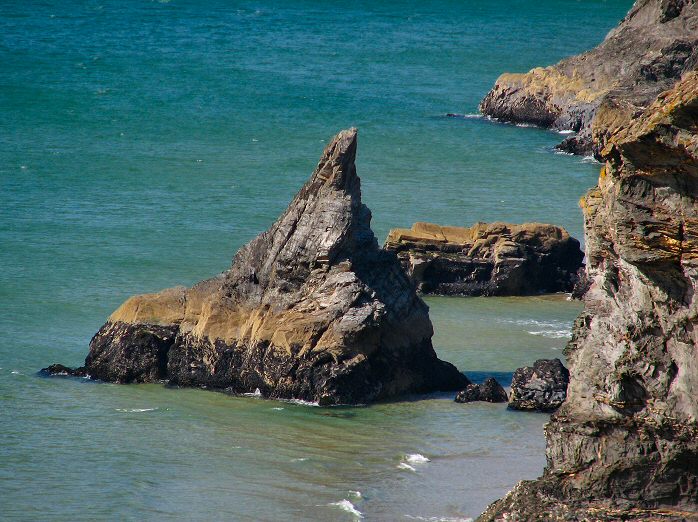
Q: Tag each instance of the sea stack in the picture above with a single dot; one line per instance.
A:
(311, 309)
(488, 258)
(647, 53)
(625, 442)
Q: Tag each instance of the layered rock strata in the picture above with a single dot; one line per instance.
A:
(311, 309)
(541, 387)
(488, 258)
(625, 442)
(592, 92)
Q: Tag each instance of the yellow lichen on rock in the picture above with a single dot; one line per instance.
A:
(550, 82)
(487, 258)
(161, 308)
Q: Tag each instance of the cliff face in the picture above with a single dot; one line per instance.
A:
(626, 438)
(488, 258)
(311, 309)
(590, 93)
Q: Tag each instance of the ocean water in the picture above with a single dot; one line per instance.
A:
(143, 142)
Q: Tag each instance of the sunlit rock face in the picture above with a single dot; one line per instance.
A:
(649, 51)
(488, 258)
(626, 438)
(311, 309)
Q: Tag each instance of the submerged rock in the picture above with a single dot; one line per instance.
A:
(488, 258)
(488, 391)
(625, 442)
(541, 387)
(311, 309)
(59, 369)
(647, 53)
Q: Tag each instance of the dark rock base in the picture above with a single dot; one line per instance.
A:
(541, 500)
(136, 353)
(488, 391)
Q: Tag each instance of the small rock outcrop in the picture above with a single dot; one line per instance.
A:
(488, 391)
(625, 441)
(591, 93)
(59, 369)
(488, 258)
(541, 387)
(311, 309)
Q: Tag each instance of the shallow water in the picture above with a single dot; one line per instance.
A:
(141, 143)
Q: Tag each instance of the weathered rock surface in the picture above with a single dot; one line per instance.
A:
(541, 387)
(488, 391)
(488, 258)
(591, 93)
(626, 439)
(581, 286)
(311, 309)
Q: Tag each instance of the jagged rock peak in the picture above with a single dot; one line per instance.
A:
(324, 224)
(311, 309)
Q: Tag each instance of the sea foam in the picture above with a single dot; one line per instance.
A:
(417, 458)
(552, 334)
(549, 329)
(347, 506)
(589, 159)
(256, 393)
(301, 402)
(465, 116)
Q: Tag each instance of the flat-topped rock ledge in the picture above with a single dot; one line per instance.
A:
(311, 309)
(488, 258)
(593, 92)
(624, 444)
(541, 387)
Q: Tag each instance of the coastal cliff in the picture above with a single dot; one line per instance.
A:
(311, 309)
(625, 441)
(591, 93)
(488, 258)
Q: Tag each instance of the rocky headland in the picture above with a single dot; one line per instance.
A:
(624, 445)
(594, 92)
(311, 309)
(488, 258)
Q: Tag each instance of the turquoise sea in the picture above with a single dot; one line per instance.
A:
(143, 142)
